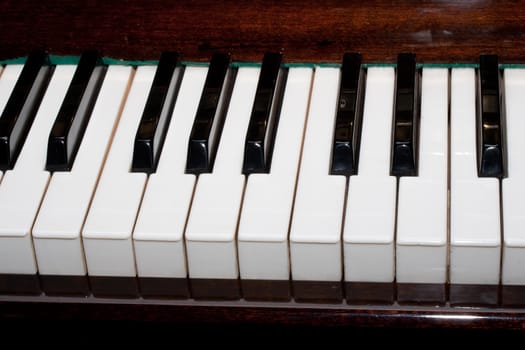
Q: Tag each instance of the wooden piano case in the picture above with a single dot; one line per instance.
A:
(309, 31)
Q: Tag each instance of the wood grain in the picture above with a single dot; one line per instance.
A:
(315, 31)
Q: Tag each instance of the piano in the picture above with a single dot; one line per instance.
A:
(254, 174)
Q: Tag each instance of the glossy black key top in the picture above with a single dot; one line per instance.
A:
(348, 118)
(406, 117)
(156, 115)
(491, 157)
(75, 111)
(258, 146)
(22, 106)
(209, 119)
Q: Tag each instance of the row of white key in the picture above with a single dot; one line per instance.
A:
(228, 225)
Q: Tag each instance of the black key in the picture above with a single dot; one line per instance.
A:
(348, 119)
(157, 114)
(258, 146)
(22, 106)
(209, 119)
(406, 117)
(490, 138)
(75, 111)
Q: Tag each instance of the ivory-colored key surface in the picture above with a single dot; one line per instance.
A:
(158, 235)
(268, 200)
(212, 222)
(513, 187)
(107, 233)
(421, 247)
(370, 209)
(315, 234)
(474, 201)
(23, 187)
(58, 226)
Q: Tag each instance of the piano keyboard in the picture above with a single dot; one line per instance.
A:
(317, 182)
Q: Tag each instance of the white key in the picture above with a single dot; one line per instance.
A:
(513, 190)
(267, 204)
(421, 252)
(212, 223)
(23, 187)
(107, 233)
(474, 202)
(158, 236)
(370, 210)
(56, 233)
(8, 77)
(315, 234)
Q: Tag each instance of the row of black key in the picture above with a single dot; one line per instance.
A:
(405, 133)
(73, 116)
(209, 120)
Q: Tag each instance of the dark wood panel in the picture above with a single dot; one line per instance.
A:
(438, 31)
(289, 314)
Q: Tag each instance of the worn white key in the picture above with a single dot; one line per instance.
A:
(212, 223)
(267, 204)
(474, 202)
(513, 191)
(23, 187)
(158, 235)
(107, 233)
(315, 234)
(56, 232)
(370, 210)
(421, 251)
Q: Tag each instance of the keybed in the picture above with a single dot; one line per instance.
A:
(412, 203)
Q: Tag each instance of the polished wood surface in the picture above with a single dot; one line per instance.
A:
(306, 31)
(259, 313)
(437, 31)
